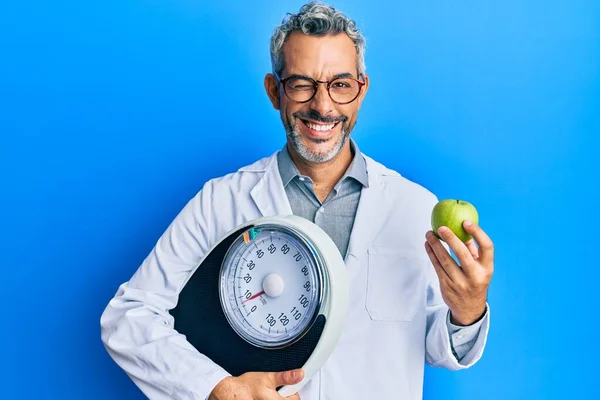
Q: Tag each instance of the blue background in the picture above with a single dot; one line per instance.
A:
(114, 113)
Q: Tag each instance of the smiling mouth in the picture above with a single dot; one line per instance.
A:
(319, 127)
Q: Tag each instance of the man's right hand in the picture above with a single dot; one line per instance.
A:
(256, 386)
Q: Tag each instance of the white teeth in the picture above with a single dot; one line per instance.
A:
(317, 127)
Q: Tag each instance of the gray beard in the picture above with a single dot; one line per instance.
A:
(308, 155)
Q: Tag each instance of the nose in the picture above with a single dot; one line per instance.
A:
(321, 102)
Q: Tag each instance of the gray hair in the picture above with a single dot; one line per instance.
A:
(316, 19)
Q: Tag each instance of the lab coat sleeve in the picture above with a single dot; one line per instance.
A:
(438, 345)
(136, 327)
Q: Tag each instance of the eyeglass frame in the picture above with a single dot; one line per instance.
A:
(316, 86)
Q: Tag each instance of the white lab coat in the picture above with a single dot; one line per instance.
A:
(396, 319)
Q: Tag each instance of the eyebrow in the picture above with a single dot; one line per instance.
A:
(343, 75)
(336, 76)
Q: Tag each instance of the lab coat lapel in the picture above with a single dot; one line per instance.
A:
(373, 209)
(269, 194)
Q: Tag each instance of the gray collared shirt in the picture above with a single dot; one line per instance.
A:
(336, 214)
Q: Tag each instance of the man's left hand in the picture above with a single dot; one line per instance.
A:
(464, 287)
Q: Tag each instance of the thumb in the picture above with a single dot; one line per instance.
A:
(286, 377)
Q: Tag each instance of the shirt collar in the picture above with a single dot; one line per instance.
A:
(356, 170)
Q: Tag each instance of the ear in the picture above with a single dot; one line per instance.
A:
(272, 89)
(364, 89)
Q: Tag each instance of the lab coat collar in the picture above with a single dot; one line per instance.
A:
(373, 209)
(268, 193)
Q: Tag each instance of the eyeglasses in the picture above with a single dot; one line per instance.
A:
(302, 89)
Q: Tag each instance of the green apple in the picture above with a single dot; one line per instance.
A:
(452, 213)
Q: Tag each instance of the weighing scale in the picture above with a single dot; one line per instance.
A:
(272, 296)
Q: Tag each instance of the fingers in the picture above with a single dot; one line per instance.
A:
(486, 247)
(436, 263)
(458, 247)
(444, 259)
(276, 379)
(472, 246)
(294, 397)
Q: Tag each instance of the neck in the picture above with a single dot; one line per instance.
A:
(324, 175)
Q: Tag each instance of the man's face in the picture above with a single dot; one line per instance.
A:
(319, 128)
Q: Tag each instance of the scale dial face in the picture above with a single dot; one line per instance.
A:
(271, 285)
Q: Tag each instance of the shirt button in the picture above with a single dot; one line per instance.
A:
(460, 336)
(302, 179)
(321, 209)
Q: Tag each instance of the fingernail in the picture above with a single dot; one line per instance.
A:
(442, 229)
(467, 222)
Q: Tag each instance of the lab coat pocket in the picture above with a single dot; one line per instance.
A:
(395, 284)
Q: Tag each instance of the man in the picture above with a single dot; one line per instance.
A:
(410, 304)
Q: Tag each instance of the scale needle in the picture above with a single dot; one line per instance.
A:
(254, 296)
